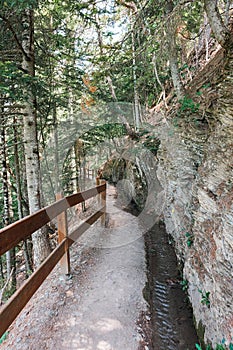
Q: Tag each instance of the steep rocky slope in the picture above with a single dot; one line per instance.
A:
(195, 169)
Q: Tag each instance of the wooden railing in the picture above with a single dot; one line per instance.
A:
(11, 235)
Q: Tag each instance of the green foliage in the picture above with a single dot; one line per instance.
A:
(8, 293)
(187, 104)
(198, 347)
(205, 297)
(218, 346)
(190, 239)
(4, 337)
(15, 83)
(205, 86)
(101, 133)
(184, 284)
(17, 7)
(192, 16)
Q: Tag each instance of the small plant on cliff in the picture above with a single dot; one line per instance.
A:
(187, 104)
(189, 239)
(218, 347)
(184, 284)
(198, 347)
(205, 297)
(3, 338)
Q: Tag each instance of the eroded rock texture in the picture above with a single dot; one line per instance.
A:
(196, 172)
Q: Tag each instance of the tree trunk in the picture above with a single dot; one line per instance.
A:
(57, 185)
(12, 267)
(77, 163)
(26, 205)
(172, 50)
(41, 247)
(227, 10)
(136, 97)
(221, 32)
(158, 80)
(6, 214)
(19, 197)
(10, 255)
(1, 269)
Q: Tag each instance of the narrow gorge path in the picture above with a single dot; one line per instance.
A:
(101, 305)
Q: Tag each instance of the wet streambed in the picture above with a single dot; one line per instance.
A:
(172, 321)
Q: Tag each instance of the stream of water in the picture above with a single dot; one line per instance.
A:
(172, 320)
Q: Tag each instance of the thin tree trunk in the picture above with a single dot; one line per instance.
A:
(172, 50)
(77, 164)
(6, 214)
(1, 269)
(136, 97)
(12, 273)
(40, 242)
(206, 39)
(57, 185)
(227, 10)
(24, 185)
(19, 197)
(84, 182)
(158, 80)
(10, 255)
(26, 207)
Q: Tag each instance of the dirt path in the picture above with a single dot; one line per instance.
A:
(100, 306)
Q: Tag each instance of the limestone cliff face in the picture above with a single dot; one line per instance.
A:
(196, 172)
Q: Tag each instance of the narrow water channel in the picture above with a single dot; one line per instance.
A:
(172, 320)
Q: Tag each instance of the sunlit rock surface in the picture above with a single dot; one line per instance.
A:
(196, 172)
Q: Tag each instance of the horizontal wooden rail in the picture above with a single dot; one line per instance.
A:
(11, 235)
(19, 299)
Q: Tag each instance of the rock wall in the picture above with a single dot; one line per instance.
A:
(196, 172)
(133, 171)
(128, 179)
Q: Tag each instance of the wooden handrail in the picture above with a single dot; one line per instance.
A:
(12, 234)
(20, 298)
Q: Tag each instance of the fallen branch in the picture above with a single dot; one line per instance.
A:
(5, 285)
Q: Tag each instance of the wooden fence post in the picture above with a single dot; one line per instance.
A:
(103, 203)
(97, 182)
(62, 234)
